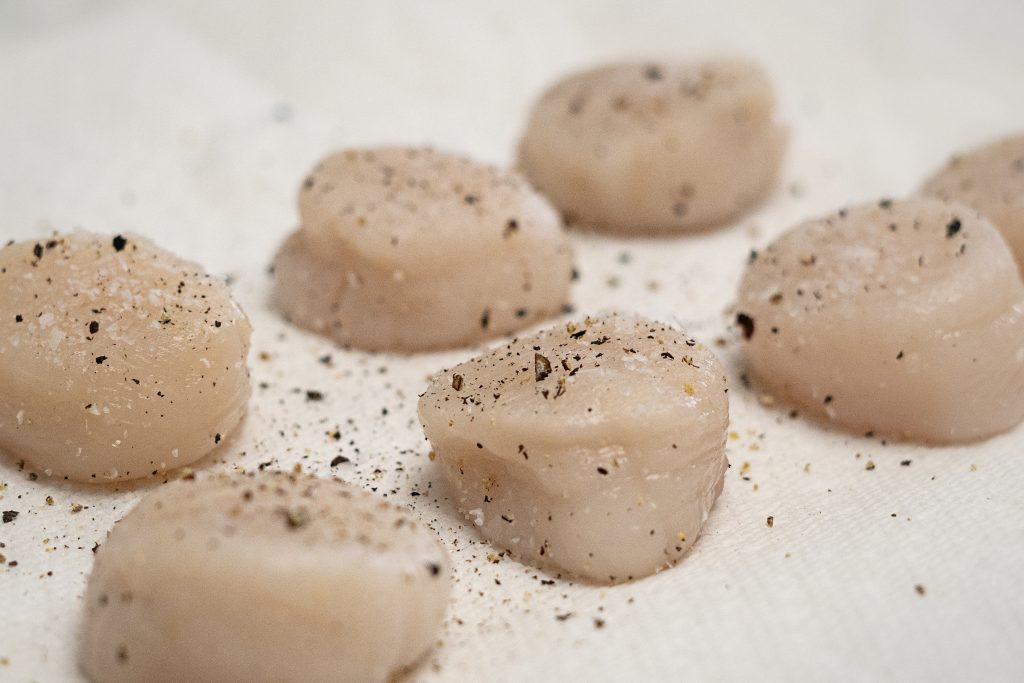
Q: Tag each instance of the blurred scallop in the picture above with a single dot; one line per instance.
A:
(901, 318)
(991, 180)
(652, 147)
(118, 360)
(404, 249)
(597, 448)
(262, 577)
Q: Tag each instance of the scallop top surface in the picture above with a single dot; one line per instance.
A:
(903, 258)
(92, 304)
(991, 180)
(637, 98)
(570, 379)
(418, 209)
(326, 519)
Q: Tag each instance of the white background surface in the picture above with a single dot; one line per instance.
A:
(193, 122)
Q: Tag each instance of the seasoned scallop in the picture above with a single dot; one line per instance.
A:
(264, 577)
(902, 318)
(412, 250)
(118, 360)
(656, 146)
(991, 180)
(597, 448)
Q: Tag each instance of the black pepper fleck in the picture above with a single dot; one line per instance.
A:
(952, 228)
(541, 367)
(746, 324)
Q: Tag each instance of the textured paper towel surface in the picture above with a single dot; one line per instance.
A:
(193, 123)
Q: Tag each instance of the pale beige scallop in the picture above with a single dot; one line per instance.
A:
(656, 146)
(902, 318)
(263, 577)
(413, 250)
(595, 449)
(991, 180)
(118, 360)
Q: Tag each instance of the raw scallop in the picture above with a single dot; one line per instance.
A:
(413, 250)
(991, 180)
(597, 448)
(265, 577)
(902, 318)
(118, 360)
(656, 146)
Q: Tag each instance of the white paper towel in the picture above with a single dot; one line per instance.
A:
(194, 122)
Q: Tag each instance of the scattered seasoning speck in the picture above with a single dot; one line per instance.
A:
(434, 568)
(919, 588)
(119, 243)
(339, 460)
(771, 521)
(457, 382)
(870, 465)
(295, 517)
(100, 359)
(598, 623)
(217, 437)
(10, 515)
(746, 324)
(541, 367)
(905, 463)
(18, 318)
(313, 395)
(653, 73)
(38, 250)
(94, 327)
(952, 228)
